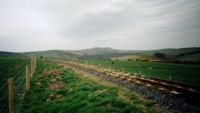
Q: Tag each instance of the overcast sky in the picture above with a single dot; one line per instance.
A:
(29, 25)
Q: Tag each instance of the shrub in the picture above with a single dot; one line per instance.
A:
(130, 59)
(160, 55)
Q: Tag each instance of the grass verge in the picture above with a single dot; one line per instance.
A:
(55, 89)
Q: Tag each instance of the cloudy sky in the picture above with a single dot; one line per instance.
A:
(29, 25)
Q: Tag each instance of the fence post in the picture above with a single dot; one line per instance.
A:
(10, 95)
(27, 77)
(33, 64)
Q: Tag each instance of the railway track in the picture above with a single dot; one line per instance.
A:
(172, 87)
(175, 96)
(177, 86)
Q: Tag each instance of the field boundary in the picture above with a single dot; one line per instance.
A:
(16, 90)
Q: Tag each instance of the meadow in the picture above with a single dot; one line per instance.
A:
(186, 73)
(61, 89)
(55, 89)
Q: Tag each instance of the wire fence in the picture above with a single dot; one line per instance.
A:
(4, 98)
(19, 92)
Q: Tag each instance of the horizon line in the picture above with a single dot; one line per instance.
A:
(95, 48)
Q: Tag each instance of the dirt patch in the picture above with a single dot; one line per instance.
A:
(57, 79)
(48, 72)
(99, 91)
(57, 85)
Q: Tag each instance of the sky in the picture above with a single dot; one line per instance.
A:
(32, 25)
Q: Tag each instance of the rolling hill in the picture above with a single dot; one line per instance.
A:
(10, 54)
(170, 55)
(92, 53)
(54, 54)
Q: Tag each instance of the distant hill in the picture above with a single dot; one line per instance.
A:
(94, 51)
(170, 55)
(101, 53)
(54, 54)
(187, 55)
(10, 54)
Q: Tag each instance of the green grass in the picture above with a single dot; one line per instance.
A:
(10, 67)
(80, 95)
(186, 73)
(193, 57)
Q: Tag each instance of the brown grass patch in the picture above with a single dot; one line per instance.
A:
(99, 91)
(57, 85)
(48, 72)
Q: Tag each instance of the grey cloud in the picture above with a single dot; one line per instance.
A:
(177, 15)
(122, 24)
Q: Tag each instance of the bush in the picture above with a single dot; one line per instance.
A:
(160, 55)
(130, 59)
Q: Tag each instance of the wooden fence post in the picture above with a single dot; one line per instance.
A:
(33, 64)
(27, 77)
(10, 95)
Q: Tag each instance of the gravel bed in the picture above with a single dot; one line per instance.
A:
(174, 103)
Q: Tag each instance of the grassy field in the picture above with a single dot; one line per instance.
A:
(10, 67)
(55, 89)
(186, 73)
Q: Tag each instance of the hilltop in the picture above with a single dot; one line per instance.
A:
(190, 55)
